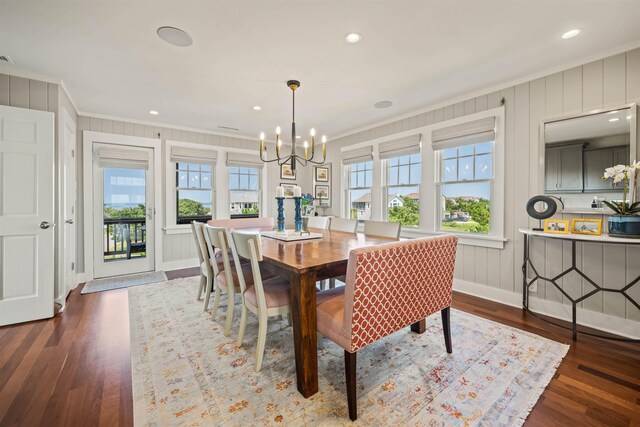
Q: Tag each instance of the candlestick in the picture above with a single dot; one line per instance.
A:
(324, 146)
(298, 210)
(280, 201)
(306, 150)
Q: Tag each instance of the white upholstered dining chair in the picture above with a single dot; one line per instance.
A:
(344, 225)
(263, 297)
(208, 265)
(382, 229)
(321, 222)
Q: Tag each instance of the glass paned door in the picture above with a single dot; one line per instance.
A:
(123, 216)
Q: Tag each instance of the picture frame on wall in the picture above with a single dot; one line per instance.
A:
(321, 174)
(321, 192)
(586, 226)
(286, 172)
(288, 190)
(556, 226)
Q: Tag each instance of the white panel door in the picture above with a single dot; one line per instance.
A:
(26, 215)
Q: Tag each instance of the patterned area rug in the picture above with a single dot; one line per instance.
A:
(186, 372)
(120, 282)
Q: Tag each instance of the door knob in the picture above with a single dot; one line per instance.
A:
(44, 225)
(69, 221)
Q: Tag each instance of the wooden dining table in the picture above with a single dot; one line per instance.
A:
(304, 262)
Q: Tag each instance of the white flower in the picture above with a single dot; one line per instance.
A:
(619, 177)
(614, 172)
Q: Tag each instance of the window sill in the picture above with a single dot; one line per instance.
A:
(463, 239)
(178, 229)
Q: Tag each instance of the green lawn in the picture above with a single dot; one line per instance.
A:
(459, 226)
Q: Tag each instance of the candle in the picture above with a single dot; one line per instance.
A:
(306, 150)
(297, 191)
(278, 142)
(324, 146)
(261, 142)
(279, 191)
(313, 141)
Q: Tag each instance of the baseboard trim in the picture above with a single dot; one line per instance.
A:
(616, 325)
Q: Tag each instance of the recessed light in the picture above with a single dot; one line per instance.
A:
(615, 119)
(257, 107)
(153, 112)
(383, 104)
(571, 33)
(298, 136)
(175, 36)
(353, 37)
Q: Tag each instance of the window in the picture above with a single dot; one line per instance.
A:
(244, 192)
(403, 189)
(466, 185)
(359, 190)
(194, 193)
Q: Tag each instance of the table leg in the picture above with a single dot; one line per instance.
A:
(303, 311)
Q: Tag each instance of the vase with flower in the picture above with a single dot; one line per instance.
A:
(626, 221)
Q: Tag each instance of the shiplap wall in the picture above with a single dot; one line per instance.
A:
(609, 82)
(176, 247)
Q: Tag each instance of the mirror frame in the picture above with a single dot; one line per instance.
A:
(633, 135)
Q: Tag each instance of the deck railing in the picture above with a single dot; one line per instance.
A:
(119, 232)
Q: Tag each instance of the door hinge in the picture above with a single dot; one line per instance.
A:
(73, 153)
(73, 266)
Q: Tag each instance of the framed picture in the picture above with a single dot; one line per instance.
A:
(286, 172)
(586, 226)
(556, 226)
(322, 192)
(322, 174)
(309, 210)
(288, 190)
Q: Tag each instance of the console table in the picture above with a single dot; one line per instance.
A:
(573, 238)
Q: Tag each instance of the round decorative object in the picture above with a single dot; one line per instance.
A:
(552, 206)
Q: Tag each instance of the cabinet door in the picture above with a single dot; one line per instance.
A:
(551, 170)
(595, 162)
(570, 169)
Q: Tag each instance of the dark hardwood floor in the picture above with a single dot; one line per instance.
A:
(74, 369)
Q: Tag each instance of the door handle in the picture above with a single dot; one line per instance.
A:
(69, 221)
(44, 225)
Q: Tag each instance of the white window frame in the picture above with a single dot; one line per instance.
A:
(171, 195)
(495, 238)
(429, 171)
(347, 188)
(261, 205)
(211, 190)
(386, 207)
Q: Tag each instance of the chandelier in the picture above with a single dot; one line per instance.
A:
(294, 158)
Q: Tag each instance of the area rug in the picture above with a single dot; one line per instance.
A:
(120, 282)
(186, 372)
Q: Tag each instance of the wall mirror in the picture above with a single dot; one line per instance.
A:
(579, 148)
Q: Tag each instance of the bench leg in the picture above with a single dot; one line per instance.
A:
(350, 372)
(446, 328)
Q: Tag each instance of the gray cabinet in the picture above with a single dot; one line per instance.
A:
(596, 161)
(563, 169)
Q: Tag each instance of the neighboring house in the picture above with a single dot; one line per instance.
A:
(243, 200)
(362, 204)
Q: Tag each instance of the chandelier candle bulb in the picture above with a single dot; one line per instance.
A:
(324, 147)
(306, 150)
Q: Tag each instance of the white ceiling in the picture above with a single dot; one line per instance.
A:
(412, 53)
